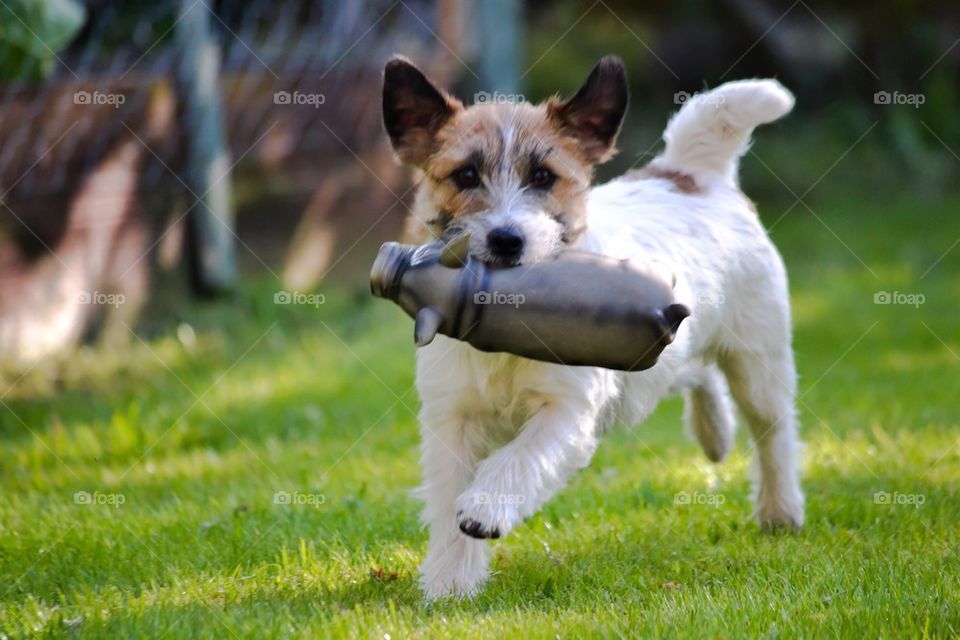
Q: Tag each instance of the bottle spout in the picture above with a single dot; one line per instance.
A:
(426, 326)
(392, 260)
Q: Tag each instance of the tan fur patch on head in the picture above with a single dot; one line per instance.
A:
(504, 143)
(682, 182)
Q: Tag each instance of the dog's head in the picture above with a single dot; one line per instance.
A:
(514, 176)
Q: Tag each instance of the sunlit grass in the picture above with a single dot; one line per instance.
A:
(224, 405)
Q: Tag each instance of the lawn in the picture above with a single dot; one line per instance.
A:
(242, 470)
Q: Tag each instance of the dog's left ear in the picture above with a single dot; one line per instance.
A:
(413, 110)
(594, 114)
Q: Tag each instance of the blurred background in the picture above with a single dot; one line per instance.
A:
(196, 387)
(156, 152)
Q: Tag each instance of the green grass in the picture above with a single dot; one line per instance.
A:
(319, 401)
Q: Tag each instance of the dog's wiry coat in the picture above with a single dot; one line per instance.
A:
(502, 434)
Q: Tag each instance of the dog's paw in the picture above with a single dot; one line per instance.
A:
(780, 521)
(437, 587)
(455, 568)
(476, 529)
(482, 514)
(784, 513)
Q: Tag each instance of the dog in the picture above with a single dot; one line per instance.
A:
(502, 434)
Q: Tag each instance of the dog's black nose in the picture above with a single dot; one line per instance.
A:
(505, 242)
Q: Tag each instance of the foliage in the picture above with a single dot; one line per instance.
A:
(32, 32)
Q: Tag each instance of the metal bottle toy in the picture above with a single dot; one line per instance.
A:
(577, 308)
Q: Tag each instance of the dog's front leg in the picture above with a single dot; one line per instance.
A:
(455, 564)
(516, 480)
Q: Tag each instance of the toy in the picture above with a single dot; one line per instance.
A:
(577, 308)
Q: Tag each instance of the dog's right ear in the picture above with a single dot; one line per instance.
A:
(413, 110)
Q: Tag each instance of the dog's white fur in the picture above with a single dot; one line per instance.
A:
(502, 434)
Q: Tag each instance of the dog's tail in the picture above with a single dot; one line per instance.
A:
(712, 130)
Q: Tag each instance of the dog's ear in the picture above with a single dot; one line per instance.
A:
(594, 114)
(413, 110)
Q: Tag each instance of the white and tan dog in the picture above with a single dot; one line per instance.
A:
(502, 434)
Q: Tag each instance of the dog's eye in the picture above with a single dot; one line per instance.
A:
(542, 178)
(466, 177)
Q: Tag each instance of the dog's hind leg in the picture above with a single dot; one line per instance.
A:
(763, 383)
(708, 413)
